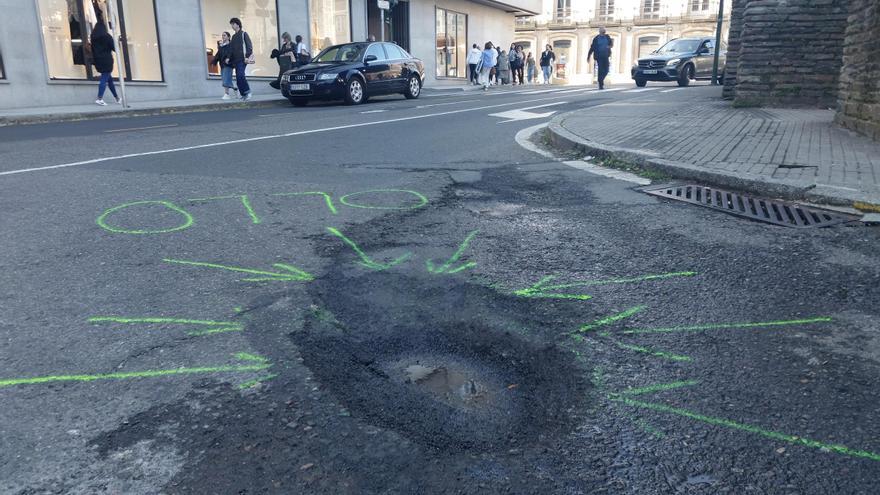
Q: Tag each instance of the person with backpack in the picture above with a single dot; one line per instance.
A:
(241, 55)
(303, 56)
(547, 59)
(601, 47)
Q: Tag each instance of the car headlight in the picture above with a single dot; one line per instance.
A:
(285, 78)
(673, 62)
(326, 77)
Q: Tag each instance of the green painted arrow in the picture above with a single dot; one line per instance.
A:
(543, 289)
(447, 266)
(365, 260)
(289, 273)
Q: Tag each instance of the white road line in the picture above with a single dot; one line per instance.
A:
(374, 111)
(671, 90)
(543, 106)
(273, 136)
(447, 103)
(640, 90)
(142, 128)
(540, 91)
(613, 89)
(523, 138)
(577, 90)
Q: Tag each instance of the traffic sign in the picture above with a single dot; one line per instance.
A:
(383, 4)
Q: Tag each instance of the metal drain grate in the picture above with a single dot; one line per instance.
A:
(764, 210)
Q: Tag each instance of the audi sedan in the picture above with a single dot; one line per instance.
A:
(682, 60)
(353, 72)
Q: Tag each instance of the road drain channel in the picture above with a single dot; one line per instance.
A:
(765, 210)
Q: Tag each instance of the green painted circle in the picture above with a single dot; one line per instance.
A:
(421, 197)
(187, 223)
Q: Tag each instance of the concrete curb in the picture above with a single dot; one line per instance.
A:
(564, 140)
(136, 112)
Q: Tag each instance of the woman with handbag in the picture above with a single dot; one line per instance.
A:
(303, 56)
(286, 58)
(102, 58)
(242, 55)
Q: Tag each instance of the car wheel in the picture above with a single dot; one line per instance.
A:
(299, 102)
(641, 83)
(413, 87)
(685, 75)
(354, 92)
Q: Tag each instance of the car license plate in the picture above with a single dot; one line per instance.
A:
(649, 71)
(302, 87)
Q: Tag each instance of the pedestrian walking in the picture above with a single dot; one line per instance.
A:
(303, 56)
(601, 48)
(547, 59)
(473, 60)
(286, 57)
(520, 64)
(503, 68)
(224, 53)
(242, 54)
(530, 67)
(488, 60)
(102, 59)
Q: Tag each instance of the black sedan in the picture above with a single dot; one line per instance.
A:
(353, 72)
(682, 60)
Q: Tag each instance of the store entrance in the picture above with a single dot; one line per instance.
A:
(396, 26)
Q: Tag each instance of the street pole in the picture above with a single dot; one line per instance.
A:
(117, 49)
(717, 42)
(382, 24)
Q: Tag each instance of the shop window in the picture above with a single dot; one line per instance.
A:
(562, 49)
(648, 44)
(259, 19)
(329, 23)
(451, 41)
(67, 24)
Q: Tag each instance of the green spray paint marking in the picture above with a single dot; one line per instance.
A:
(610, 319)
(543, 290)
(187, 218)
(719, 326)
(245, 201)
(650, 389)
(328, 200)
(838, 449)
(131, 374)
(246, 356)
(366, 261)
(254, 382)
(652, 352)
(447, 266)
(422, 200)
(211, 327)
(293, 274)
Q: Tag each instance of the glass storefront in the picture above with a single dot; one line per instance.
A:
(259, 19)
(67, 24)
(451, 44)
(330, 23)
(562, 49)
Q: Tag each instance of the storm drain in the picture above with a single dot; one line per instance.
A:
(761, 209)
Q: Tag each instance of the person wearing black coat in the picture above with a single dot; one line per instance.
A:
(102, 59)
(242, 51)
(286, 58)
(223, 56)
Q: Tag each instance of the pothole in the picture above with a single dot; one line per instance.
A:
(451, 382)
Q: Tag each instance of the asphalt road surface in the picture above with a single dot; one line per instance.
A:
(401, 298)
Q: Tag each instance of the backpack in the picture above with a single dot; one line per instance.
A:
(603, 46)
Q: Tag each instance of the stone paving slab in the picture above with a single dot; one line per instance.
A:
(795, 153)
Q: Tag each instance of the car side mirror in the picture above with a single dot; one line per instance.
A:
(704, 50)
(370, 58)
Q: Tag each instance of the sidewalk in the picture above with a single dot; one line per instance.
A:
(789, 153)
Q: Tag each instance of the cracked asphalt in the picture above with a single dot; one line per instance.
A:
(408, 301)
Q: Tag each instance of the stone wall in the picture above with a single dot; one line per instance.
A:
(859, 94)
(791, 52)
(733, 44)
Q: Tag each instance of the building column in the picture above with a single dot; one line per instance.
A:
(858, 104)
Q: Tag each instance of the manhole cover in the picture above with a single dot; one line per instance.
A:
(761, 209)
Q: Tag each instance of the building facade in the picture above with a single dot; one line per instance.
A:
(166, 45)
(637, 27)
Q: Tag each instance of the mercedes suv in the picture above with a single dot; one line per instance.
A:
(682, 60)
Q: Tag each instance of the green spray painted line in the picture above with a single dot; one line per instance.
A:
(328, 200)
(543, 290)
(254, 382)
(245, 201)
(187, 218)
(422, 200)
(133, 374)
(652, 352)
(610, 319)
(293, 274)
(246, 356)
(215, 330)
(720, 326)
(650, 389)
(446, 267)
(182, 321)
(366, 261)
(838, 449)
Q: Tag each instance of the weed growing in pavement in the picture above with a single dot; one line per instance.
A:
(632, 167)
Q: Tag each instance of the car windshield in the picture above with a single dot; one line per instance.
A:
(679, 46)
(342, 53)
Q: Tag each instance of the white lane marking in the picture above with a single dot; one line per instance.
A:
(142, 128)
(374, 111)
(272, 136)
(447, 103)
(537, 92)
(671, 90)
(522, 114)
(543, 106)
(640, 90)
(577, 90)
(608, 90)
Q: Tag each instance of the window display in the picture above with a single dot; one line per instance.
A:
(451, 45)
(329, 23)
(259, 19)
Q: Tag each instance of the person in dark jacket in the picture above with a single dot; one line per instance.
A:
(286, 56)
(547, 59)
(601, 48)
(102, 59)
(224, 52)
(241, 53)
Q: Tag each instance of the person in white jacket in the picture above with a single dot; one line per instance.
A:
(473, 60)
